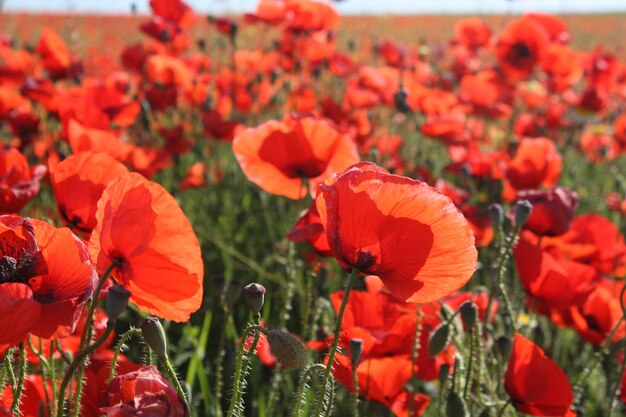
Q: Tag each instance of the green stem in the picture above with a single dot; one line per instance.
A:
(7, 368)
(45, 365)
(333, 349)
(237, 390)
(88, 334)
(505, 254)
(302, 386)
(595, 361)
(470, 363)
(618, 381)
(174, 380)
(355, 394)
(78, 361)
(19, 388)
(415, 355)
(118, 350)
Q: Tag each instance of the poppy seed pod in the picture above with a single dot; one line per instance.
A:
(154, 336)
(356, 347)
(469, 314)
(287, 349)
(522, 213)
(496, 215)
(116, 302)
(255, 297)
(439, 340)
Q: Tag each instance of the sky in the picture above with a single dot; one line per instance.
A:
(344, 6)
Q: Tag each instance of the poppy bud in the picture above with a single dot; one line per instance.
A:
(116, 302)
(154, 336)
(455, 406)
(356, 347)
(496, 215)
(233, 292)
(469, 313)
(287, 349)
(255, 297)
(439, 340)
(522, 212)
(504, 346)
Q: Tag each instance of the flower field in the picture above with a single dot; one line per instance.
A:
(295, 213)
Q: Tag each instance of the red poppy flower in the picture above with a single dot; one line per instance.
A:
(140, 392)
(550, 277)
(382, 380)
(57, 59)
(19, 183)
(472, 32)
(140, 225)
(83, 139)
(535, 382)
(399, 229)
(175, 10)
(278, 156)
(596, 318)
(596, 241)
(537, 163)
(90, 173)
(46, 278)
(520, 46)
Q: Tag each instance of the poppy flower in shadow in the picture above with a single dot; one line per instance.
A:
(279, 156)
(19, 183)
(142, 228)
(552, 213)
(399, 229)
(535, 383)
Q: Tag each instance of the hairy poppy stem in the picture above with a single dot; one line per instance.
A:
(239, 374)
(470, 365)
(84, 340)
(415, 355)
(118, 349)
(505, 254)
(333, 349)
(355, 394)
(174, 380)
(79, 361)
(7, 369)
(308, 372)
(19, 386)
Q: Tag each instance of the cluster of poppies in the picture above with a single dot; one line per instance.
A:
(445, 181)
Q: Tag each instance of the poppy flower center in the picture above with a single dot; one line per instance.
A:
(364, 260)
(521, 50)
(18, 270)
(292, 155)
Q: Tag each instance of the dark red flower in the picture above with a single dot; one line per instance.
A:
(141, 392)
(19, 183)
(553, 210)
